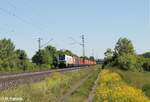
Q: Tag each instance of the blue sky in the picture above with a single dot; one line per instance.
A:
(102, 22)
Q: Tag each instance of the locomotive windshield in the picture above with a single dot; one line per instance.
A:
(62, 57)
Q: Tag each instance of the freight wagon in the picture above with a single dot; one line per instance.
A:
(73, 61)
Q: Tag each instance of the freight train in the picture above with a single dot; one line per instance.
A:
(73, 61)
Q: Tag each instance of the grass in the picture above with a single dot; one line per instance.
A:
(82, 93)
(48, 90)
(139, 80)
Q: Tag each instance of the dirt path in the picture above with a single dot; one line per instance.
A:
(92, 93)
(73, 88)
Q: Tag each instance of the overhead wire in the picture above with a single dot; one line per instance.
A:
(20, 19)
(74, 41)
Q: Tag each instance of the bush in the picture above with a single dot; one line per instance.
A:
(13, 60)
(45, 66)
(125, 57)
(146, 89)
(42, 57)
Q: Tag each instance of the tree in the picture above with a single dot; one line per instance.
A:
(42, 57)
(52, 52)
(127, 62)
(68, 52)
(108, 54)
(100, 61)
(108, 57)
(7, 54)
(146, 66)
(23, 62)
(146, 55)
(65, 52)
(92, 58)
(124, 46)
(123, 56)
(145, 62)
(7, 48)
(21, 54)
(85, 57)
(60, 52)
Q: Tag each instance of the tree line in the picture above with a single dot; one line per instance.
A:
(12, 59)
(123, 56)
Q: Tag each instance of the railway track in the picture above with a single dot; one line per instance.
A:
(12, 80)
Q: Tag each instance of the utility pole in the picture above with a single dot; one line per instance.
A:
(42, 45)
(39, 43)
(83, 46)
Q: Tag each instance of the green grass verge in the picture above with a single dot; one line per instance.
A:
(82, 93)
(49, 90)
